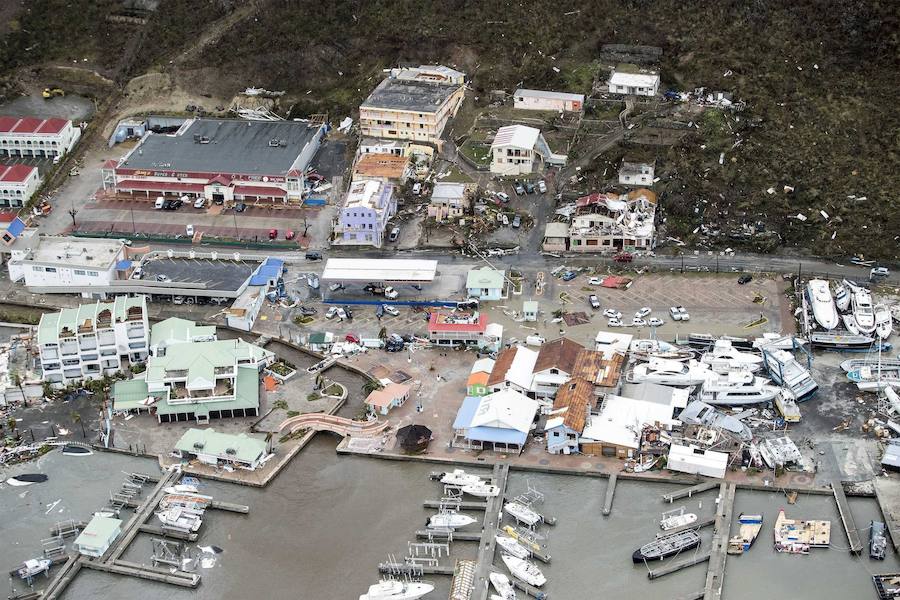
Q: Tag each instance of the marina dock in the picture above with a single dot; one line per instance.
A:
(485, 560)
(61, 580)
(698, 525)
(121, 567)
(690, 491)
(453, 536)
(715, 573)
(461, 505)
(840, 498)
(216, 504)
(694, 559)
(887, 493)
(610, 492)
(169, 533)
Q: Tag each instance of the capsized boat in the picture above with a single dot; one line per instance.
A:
(503, 585)
(524, 570)
(450, 520)
(511, 546)
(481, 490)
(822, 303)
(667, 545)
(391, 589)
(877, 540)
(180, 519)
(522, 513)
(460, 477)
(26, 479)
(863, 311)
(883, 325)
(748, 530)
(73, 450)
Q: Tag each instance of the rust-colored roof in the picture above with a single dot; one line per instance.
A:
(378, 164)
(560, 354)
(650, 195)
(588, 364)
(387, 395)
(610, 371)
(479, 378)
(504, 361)
(575, 396)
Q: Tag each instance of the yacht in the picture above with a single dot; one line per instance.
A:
(883, 324)
(786, 371)
(872, 378)
(852, 364)
(450, 520)
(777, 341)
(724, 358)
(647, 349)
(841, 297)
(524, 570)
(391, 589)
(863, 312)
(850, 324)
(822, 303)
(503, 585)
(736, 389)
(669, 372)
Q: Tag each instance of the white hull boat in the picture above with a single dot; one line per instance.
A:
(676, 521)
(736, 389)
(503, 585)
(822, 303)
(786, 371)
(522, 513)
(776, 341)
(863, 311)
(481, 490)
(850, 324)
(841, 297)
(32, 567)
(873, 378)
(511, 546)
(723, 353)
(649, 349)
(524, 570)
(460, 477)
(180, 519)
(669, 372)
(883, 325)
(450, 520)
(851, 364)
(391, 589)
(181, 488)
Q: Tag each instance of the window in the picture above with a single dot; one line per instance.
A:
(50, 269)
(37, 269)
(92, 273)
(79, 271)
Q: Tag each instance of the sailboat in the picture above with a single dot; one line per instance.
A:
(391, 589)
(525, 570)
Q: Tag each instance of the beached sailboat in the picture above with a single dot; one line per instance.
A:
(391, 589)
(450, 520)
(522, 513)
(503, 586)
(524, 570)
(749, 528)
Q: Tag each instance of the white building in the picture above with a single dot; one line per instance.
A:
(363, 219)
(57, 264)
(544, 100)
(33, 136)
(17, 184)
(91, 341)
(449, 200)
(612, 223)
(513, 370)
(520, 150)
(631, 80)
(636, 173)
(694, 460)
(616, 431)
(486, 283)
(98, 536)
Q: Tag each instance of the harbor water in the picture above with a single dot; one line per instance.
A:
(321, 528)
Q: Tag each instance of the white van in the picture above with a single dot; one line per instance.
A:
(159, 202)
(535, 340)
(371, 343)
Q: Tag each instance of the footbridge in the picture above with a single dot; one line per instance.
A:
(339, 425)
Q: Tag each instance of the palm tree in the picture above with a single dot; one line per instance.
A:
(370, 386)
(76, 417)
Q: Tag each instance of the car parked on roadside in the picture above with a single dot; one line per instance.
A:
(313, 255)
(594, 301)
(308, 311)
(569, 275)
(879, 272)
(335, 287)
(395, 233)
(200, 202)
(240, 207)
(520, 189)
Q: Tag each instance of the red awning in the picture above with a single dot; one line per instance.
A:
(259, 190)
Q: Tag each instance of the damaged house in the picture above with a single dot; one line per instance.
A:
(606, 222)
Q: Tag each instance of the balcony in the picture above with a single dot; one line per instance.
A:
(137, 332)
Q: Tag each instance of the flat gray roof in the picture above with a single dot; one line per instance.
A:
(234, 146)
(403, 94)
(219, 275)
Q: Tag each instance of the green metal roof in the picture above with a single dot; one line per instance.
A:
(52, 324)
(99, 531)
(128, 395)
(123, 303)
(48, 329)
(484, 277)
(242, 447)
(246, 396)
(175, 330)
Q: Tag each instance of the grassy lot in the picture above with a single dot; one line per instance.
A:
(478, 152)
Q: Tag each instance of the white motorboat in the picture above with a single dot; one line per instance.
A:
(841, 297)
(822, 303)
(883, 325)
(724, 358)
(852, 364)
(180, 519)
(850, 324)
(511, 546)
(863, 311)
(736, 389)
(648, 349)
(524, 570)
(460, 477)
(669, 372)
(503, 586)
(181, 488)
(786, 371)
(450, 520)
(391, 589)
(678, 519)
(777, 341)
(481, 490)
(522, 513)
(32, 567)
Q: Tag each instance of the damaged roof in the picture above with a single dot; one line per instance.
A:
(559, 354)
(573, 400)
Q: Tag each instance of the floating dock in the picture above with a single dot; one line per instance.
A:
(694, 559)
(121, 567)
(461, 505)
(485, 560)
(718, 552)
(840, 498)
(688, 492)
(610, 492)
(887, 493)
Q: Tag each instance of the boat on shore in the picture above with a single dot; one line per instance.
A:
(180, 519)
(851, 364)
(787, 372)
(863, 311)
(667, 545)
(503, 586)
(841, 341)
(777, 341)
(32, 567)
(787, 407)
(391, 589)
(841, 297)
(877, 540)
(850, 324)
(698, 412)
(524, 570)
(723, 357)
(522, 513)
(669, 372)
(648, 349)
(874, 378)
(824, 310)
(738, 388)
(748, 530)
(450, 520)
(705, 341)
(26, 479)
(511, 546)
(883, 325)
(75, 450)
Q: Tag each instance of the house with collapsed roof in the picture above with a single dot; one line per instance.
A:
(570, 412)
(520, 150)
(607, 222)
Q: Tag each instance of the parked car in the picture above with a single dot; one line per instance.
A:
(390, 293)
(638, 322)
(379, 311)
(335, 287)
(308, 311)
(313, 255)
(611, 313)
(542, 187)
(352, 338)
(594, 301)
(595, 281)
(642, 312)
(177, 299)
(199, 202)
(744, 279)
(390, 310)
(240, 207)
(166, 205)
(615, 323)
(529, 187)
(520, 189)
(517, 222)
(330, 313)
(417, 188)
(341, 314)
(189, 229)
(395, 233)
(163, 278)
(273, 233)
(655, 322)
(569, 275)
(177, 203)
(138, 273)
(219, 300)
(879, 272)
(503, 197)
(160, 203)
(392, 346)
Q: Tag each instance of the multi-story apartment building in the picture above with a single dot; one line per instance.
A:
(612, 223)
(17, 184)
(413, 104)
(363, 219)
(93, 340)
(33, 136)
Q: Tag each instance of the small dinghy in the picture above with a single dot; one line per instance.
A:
(26, 479)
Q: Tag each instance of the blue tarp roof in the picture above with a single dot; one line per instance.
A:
(269, 270)
(466, 412)
(123, 265)
(16, 227)
(485, 434)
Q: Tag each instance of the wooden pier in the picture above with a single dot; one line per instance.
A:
(404, 569)
(169, 533)
(715, 574)
(840, 498)
(140, 516)
(688, 492)
(462, 505)
(61, 580)
(690, 561)
(485, 561)
(610, 492)
(887, 493)
(216, 504)
(455, 536)
(121, 567)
